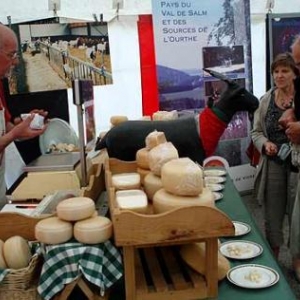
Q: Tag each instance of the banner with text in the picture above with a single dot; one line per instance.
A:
(191, 35)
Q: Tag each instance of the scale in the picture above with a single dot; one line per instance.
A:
(66, 170)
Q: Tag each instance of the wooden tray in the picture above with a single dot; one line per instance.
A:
(134, 231)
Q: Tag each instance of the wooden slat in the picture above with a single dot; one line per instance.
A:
(141, 283)
(155, 270)
(175, 273)
(129, 272)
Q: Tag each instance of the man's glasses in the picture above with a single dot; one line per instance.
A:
(11, 55)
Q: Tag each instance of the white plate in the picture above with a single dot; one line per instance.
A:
(214, 172)
(253, 276)
(241, 228)
(215, 187)
(214, 179)
(241, 249)
(58, 131)
(218, 196)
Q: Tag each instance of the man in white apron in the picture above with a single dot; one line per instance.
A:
(8, 131)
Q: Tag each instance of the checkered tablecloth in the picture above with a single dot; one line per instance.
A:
(100, 264)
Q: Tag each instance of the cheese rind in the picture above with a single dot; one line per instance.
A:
(155, 138)
(164, 201)
(152, 184)
(3, 264)
(17, 253)
(135, 200)
(53, 231)
(182, 177)
(142, 158)
(75, 209)
(161, 154)
(194, 256)
(126, 181)
(94, 230)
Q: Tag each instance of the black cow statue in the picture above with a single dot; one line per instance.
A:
(195, 137)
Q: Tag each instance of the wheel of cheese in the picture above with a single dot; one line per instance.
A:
(17, 253)
(75, 209)
(135, 200)
(152, 184)
(126, 181)
(142, 158)
(53, 231)
(161, 154)
(164, 201)
(155, 138)
(194, 256)
(93, 230)
(182, 177)
(143, 173)
(3, 264)
(115, 120)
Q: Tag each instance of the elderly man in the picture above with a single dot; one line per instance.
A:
(8, 131)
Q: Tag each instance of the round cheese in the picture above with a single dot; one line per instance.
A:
(75, 209)
(53, 231)
(142, 159)
(182, 177)
(135, 200)
(152, 184)
(194, 256)
(161, 154)
(115, 120)
(17, 253)
(143, 173)
(3, 264)
(164, 201)
(93, 230)
(155, 138)
(126, 181)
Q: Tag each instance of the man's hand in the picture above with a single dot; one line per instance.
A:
(41, 112)
(293, 132)
(270, 148)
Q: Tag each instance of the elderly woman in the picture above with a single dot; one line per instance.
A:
(274, 181)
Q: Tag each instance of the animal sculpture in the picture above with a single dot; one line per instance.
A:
(195, 137)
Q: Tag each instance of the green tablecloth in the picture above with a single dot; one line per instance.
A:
(233, 206)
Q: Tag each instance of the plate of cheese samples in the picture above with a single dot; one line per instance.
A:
(241, 249)
(218, 196)
(214, 179)
(214, 187)
(241, 228)
(253, 276)
(214, 172)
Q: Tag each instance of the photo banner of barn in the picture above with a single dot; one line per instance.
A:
(53, 54)
(192, 35)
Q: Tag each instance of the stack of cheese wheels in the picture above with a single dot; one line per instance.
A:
(135, 200)
(15, 253)
(194, 256)
(76, 216)
(163, 115)
(182, 182)
(152, 140)
(126, 181)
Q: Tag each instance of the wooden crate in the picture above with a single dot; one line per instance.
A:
(134, 231)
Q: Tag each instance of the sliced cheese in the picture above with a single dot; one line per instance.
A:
(53, 231)
(75, 209)
(93, 230)
(3, 264)
(17, 253)
(164, 201)
(152, 184)
(194, 256)
(126, 181)
(135, 200)
(142, 158)
(161, 154)
(155, 138)
(182, 177)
